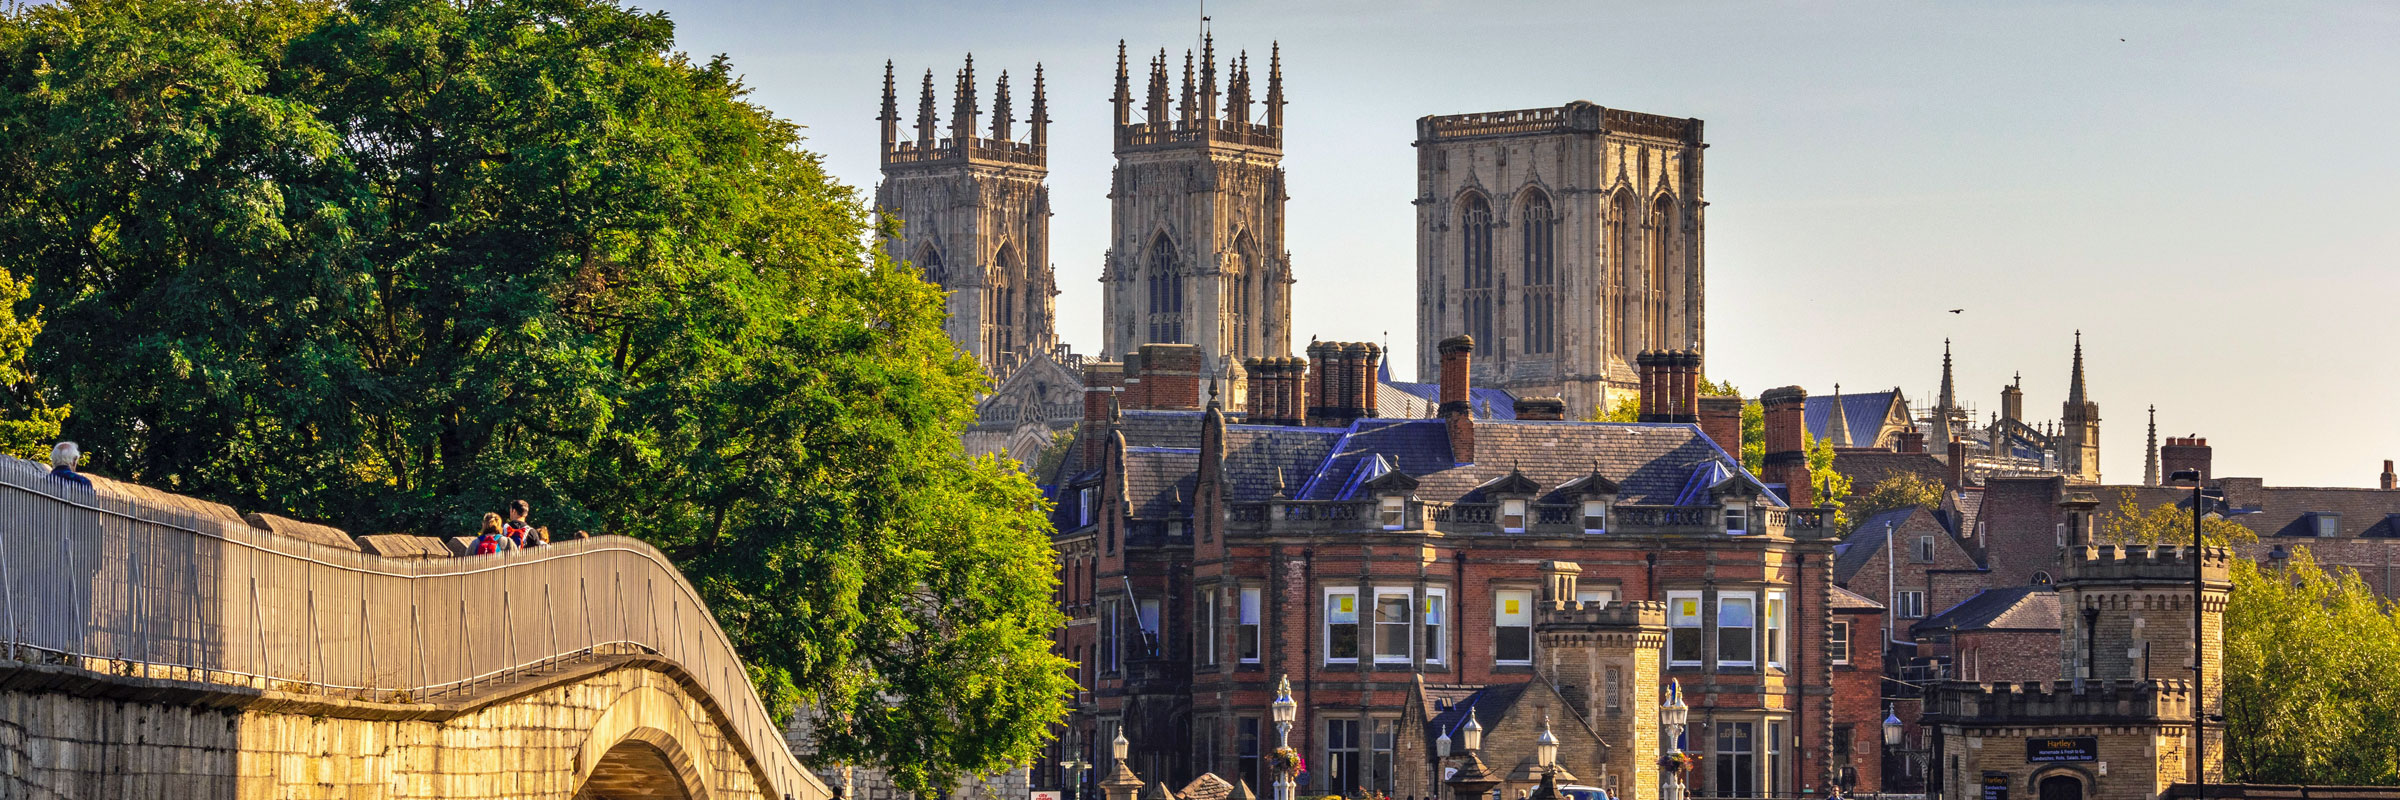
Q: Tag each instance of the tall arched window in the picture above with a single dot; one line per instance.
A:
(1475, 254)
(1662, 215)
(1623, 222)
(1245, 282)
(1003, 316)
(1166, 293)
(929, 263)
(1537, 226)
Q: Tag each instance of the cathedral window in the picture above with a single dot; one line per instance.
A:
(1661, 287)
(1166, 294)
(1476, 256)
(1623, 221)
(1244, 284)
(1540, 310)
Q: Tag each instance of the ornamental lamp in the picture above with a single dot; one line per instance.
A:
(1674, 713)
(1891, 728)
(1441, 745)
(1284, 709)
(1471, 736)
(1119, 747)
(1545, 747)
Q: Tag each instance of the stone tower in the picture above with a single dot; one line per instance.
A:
(975, 215)
(1196, 254)
(2079, 428)
(1566, 240)
(2127, 616)
(1604, 659)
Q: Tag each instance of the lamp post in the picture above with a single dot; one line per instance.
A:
(1075, 768)
(1545, 756)
(1284, 712)
(1671, 717)
(1473, 779)
(2199, 584)
(1892, 729)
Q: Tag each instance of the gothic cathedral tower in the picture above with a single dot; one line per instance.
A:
(1565, 240)
(2079, 428)
(1196, 212)
(975, 216)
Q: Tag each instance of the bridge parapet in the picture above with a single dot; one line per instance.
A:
(120, 582)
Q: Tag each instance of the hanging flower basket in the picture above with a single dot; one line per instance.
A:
(1285, 761)
(1679, 762)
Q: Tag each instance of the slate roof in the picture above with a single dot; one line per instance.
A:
(1159, 481)
(1865, 468)
(1846, 600)
(1490, 703)
(2013, 608)
(1864, 542)
(2283, 511)
(1490, 403)
(1864, 412)
(1651, 463)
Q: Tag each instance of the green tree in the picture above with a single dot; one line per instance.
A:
(1053, 454)
(1829, 485)
(28, 423)
(2125, 521)
(391, 262)
(2312, 677)
(1906, 490)
(1627, 408)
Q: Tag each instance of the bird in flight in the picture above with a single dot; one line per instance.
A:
(1958, 311)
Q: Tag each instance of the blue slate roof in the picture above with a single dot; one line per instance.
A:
(1865, 413)
(1489, 403)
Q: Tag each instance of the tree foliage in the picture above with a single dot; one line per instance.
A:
(1829, 485)
(2126, 521)
(1627, 408)
(29, 422)
(1904, 490)
(391, 262)
(2312, 677)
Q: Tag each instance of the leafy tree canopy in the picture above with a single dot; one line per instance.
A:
(2312, 677)
(1905, 490)
(2126, 521)
(391, 262)
(28, 422)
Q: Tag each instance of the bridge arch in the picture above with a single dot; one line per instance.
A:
(643, 743)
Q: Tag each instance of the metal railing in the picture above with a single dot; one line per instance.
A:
(108, 582)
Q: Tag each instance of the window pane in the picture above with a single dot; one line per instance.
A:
(1514, 625)
(1341, 626)
(1391, 628)
(1734, 630)
(1247, 637)
(1433, 625)
(1736, 760)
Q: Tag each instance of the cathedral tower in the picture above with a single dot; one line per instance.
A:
(1196, 254)
(975, 215)
(2079, 428)
(1566, 240)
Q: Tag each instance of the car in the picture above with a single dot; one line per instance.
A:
(1578, 792)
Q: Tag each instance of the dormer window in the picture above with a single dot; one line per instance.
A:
(1737, 520)
(1083, 506)
(1512, 515)
(1595, 516)
(1394, 513)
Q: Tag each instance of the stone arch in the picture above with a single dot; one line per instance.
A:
(1162, 273)
(928, 261)
(1477, 275)
(2083, 779)
(1665, 291)
(1537, 249)
(1006, 291)
(1624, 225)
(1246, 290)
(643, 732)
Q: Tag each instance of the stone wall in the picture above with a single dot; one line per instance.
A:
(620, 727)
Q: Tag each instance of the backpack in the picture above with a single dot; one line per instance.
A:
(486, 544)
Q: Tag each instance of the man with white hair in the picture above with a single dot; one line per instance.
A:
(62, 463)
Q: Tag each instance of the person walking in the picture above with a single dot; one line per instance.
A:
(492, 538)
(62, 464)
(517, 529)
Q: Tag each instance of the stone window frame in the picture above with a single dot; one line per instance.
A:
(1499, 608)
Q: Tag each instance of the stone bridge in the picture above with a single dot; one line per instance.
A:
(156, 646)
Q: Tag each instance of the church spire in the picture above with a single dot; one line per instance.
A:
(925, 120)
(1275, 87)
(890, 118)
(1945, 404)
(1040, 121)
(2150, 454)
(1837, 424)
(1002, 115)
(2075, 385)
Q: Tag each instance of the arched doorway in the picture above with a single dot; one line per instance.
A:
(2062, 787)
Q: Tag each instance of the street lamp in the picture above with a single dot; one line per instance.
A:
(1284, 711)
(1472, 780)
(1075, 768)
(1545, 756)
(2199, 583)
(1892, 728)
(1471, 736)
(1671, 717)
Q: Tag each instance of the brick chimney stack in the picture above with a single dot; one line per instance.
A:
(1721, 419)
(1670, 382)
(1550, 409)
(2390, 480)
(1687, 396)
(1320, 365)
(1103, 383)
(1165, 377)
(1787, 443)
(2182, 453)
(1276, 389)
(1458, 413)
(1912, 440)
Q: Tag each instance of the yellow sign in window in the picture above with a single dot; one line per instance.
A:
(1509, 606)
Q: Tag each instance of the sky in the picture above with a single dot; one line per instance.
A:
(2209, 192)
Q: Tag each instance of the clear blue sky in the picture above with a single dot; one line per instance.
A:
(2211, 193)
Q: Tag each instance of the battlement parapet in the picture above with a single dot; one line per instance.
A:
(1601, 614)
(2121, 700)
(2140, 563)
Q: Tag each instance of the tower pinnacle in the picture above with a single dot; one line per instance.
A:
(1002, 115)
(1040, 121)
(2150, 453)
(1837, 424)
(1945, 404)
(890, 118)
(925, 120)
(2075, 385)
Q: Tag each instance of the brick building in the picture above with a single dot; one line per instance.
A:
(1206, 552)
